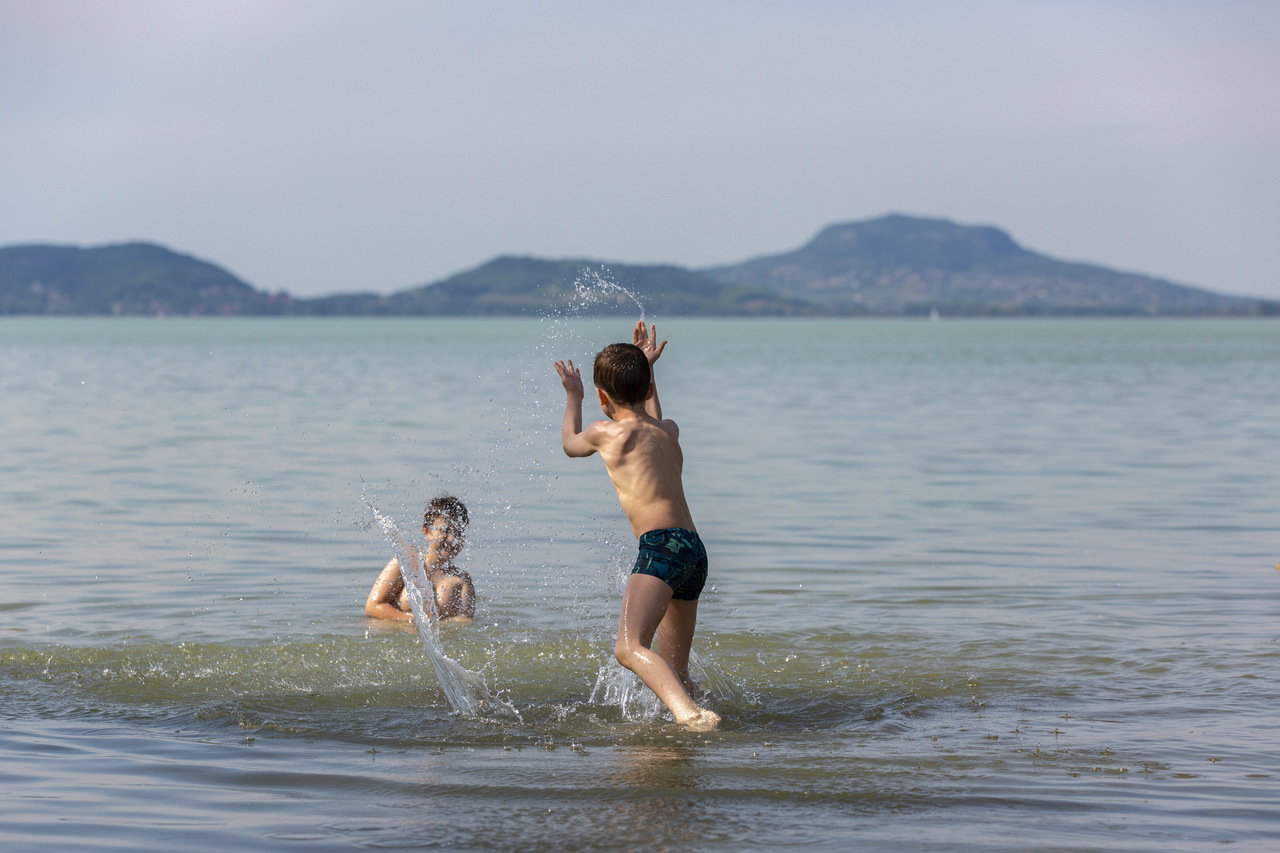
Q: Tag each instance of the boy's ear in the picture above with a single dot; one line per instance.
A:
(604, 397)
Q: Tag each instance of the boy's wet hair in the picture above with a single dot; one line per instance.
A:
(452, 509)
(623, 372)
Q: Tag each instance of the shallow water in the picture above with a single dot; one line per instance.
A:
(975, 585)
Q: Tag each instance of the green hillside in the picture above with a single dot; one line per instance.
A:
(125, 279)
(509, 286)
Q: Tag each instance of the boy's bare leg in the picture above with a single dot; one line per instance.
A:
(675, 638)
(645, 603)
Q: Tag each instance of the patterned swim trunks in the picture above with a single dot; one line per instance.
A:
(677, 557)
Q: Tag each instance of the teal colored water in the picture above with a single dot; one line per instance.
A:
(976, 585)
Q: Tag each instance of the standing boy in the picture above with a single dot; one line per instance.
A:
(642, 454)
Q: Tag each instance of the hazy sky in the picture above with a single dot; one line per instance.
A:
(318, 147)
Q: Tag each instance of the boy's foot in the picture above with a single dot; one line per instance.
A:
(703, 721)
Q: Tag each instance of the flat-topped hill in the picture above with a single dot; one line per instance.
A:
(907, 265)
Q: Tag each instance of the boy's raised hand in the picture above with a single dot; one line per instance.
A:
(570, 377)
(647, 340)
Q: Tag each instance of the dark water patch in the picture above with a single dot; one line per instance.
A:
(16, 605)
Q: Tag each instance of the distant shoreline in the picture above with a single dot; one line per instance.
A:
(893, 266)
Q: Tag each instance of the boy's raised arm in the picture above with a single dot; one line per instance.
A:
(647, 340)
(571, 435)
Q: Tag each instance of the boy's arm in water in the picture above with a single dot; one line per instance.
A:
(647, 341)
(576, 440)
(381, 603)
(456, 597)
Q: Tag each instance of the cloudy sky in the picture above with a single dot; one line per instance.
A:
(319, 147)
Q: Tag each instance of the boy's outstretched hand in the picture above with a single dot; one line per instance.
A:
(647, 340)
(570, 377)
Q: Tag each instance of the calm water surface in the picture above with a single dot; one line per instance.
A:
(975, 586)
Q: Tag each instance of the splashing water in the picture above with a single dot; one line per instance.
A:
(514, 459)
(616, 686)
(593, 287)
(622, 689)
(466, 691)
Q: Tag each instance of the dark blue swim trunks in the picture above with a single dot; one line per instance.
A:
(677, 557)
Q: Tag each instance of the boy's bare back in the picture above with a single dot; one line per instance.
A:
(644, 461)
(640, 449)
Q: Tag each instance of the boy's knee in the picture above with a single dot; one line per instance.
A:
(624, 655)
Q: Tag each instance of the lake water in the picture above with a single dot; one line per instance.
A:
(976, 585)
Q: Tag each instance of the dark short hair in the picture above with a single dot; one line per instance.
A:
(452, 509)
(623, 372)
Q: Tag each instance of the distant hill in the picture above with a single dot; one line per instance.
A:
(892, 266)
(126, 279)
(146, 279)
(508, 286)
(898, 265)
